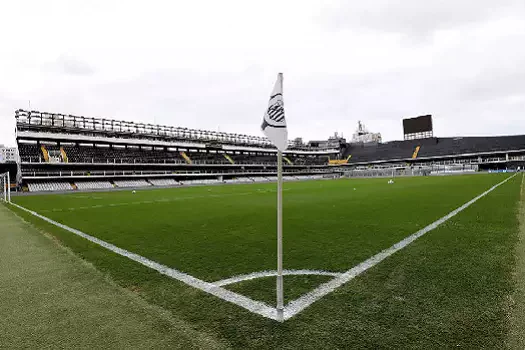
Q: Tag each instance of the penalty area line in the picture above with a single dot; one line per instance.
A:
(298, 305)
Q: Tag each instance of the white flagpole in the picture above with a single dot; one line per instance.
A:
(8, 188)
(274, 127)
(280, 293)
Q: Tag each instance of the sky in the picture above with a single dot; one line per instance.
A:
(212, 64)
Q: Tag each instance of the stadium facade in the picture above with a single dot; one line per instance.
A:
(65, 152)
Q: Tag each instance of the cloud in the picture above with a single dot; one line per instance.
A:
(414, 18)
(208, 65)
(70, 65)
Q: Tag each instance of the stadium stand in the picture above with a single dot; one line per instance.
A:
(433, 147)
(239, 180)
(49, 186)
(29, 152)
(90, 154)
(65, 152)
(200, 182)
(131, 183)
(96, 153)
(308, 160)
(260, 179)
(309, 177)
(164, 182)
(253, 158)
(207, 158)
(93, 185)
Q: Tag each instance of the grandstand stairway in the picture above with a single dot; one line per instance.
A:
(186, 157)
(416, 151)
(287, 160)
(228, 158)
(45, 153)
(64, 155)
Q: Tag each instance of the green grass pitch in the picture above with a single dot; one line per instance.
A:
(448, 288)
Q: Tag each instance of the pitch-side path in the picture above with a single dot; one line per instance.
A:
(517, 299)
(49, 298)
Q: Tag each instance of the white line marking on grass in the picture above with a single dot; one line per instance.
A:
(256, 307)
(298, 305)
(254, 275)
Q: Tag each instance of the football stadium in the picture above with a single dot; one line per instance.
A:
(402, 244)
(300, 174)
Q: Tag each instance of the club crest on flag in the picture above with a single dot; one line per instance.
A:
(274, 121)
(274, 116)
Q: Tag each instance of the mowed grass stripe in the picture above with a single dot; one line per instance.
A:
(161, 200)
(516, 339)
(51, 299)
(328, 225)
(249, 304)
(415, 299)
(448, 289)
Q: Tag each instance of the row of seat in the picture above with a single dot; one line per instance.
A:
(207, 158)
(85, 154)
(260, 179)
(239, 180)
(200, 182)
(93, 185)
(49, 186)
(132, 183)
(309, 177)
(432, 147)
(164, 182)
(97, 185)
(357, 153)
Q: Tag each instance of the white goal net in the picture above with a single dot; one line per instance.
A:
(5, 188)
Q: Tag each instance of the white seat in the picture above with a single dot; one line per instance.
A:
(132, 183)
(164, 182)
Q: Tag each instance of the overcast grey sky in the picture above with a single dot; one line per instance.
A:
(212, 64)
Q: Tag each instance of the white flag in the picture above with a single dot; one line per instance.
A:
(274, 122)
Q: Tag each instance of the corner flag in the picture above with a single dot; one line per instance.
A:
(274, 127)
(274, 122)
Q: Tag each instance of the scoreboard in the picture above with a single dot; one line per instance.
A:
(418, 128)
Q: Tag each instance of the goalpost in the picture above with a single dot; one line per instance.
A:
(5, 187)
